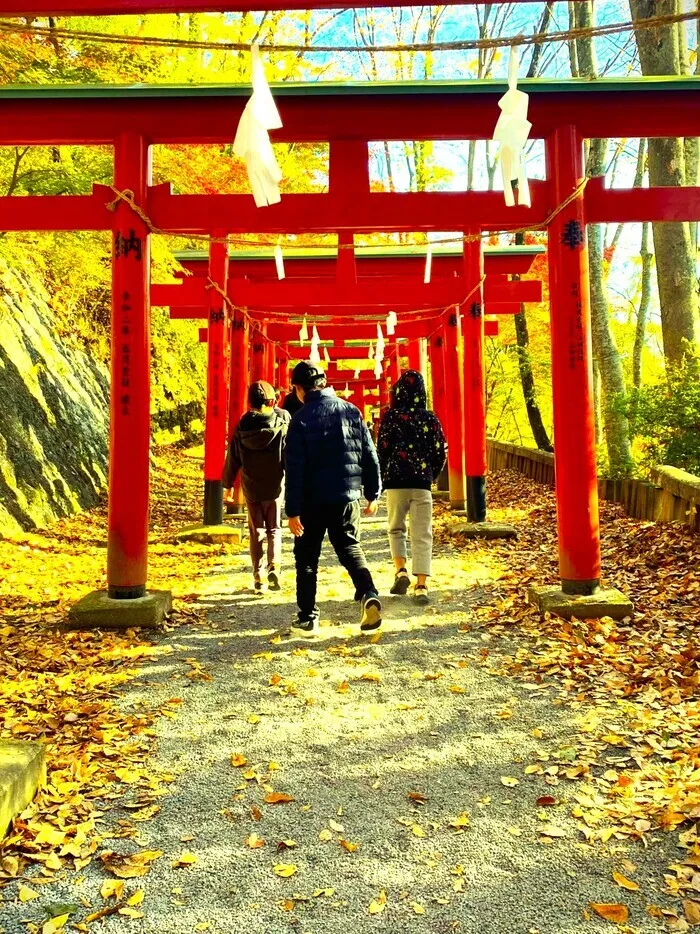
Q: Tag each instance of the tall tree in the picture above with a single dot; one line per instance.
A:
(660, 54)
(607, 356)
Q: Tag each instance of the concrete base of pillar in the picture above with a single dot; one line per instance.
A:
(482, 529)
(98, 611)
(458, 506)
(212, 534)
(236, 509)
(22, 773)
(612, 603)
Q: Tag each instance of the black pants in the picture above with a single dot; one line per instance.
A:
(342, 522)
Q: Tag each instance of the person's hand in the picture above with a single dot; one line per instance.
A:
(228, 495)
(295, 526)
(371, 508)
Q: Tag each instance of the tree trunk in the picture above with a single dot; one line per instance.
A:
(659, 54)
(644, 305)
(527, 380)
(617, 429)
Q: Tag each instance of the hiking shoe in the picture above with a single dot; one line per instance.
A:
(309, 624)
(371, 617)
(273, 581)
(401, 583)
(420, 594)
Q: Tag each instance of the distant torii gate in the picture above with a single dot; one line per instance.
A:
(338, 287)
(132, 120)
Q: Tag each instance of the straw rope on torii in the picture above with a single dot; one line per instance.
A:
(459, 45)
(127, 197)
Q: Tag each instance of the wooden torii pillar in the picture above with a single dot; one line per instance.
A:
(454, 424)
(258, 354)
(417, 356)
(474, 382)
(215, 436)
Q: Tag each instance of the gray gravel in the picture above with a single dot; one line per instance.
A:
(429, 718)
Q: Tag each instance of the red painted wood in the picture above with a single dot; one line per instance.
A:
(238, 380)
(615, 205)
(473, 362)
(572, 371)
(217, 400)
(130, 415)
(454, 409)
(394, 367)
(490, 328)
(326, 213)
(437, 377)
(300, 296)
(497, 292)
(123, 7)
(369, 114)
(257, 357)
(364, 331)
(404, 266)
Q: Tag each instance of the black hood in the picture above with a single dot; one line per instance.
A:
(259, 431)
(409, 392)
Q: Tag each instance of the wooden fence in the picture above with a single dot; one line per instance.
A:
(673, 496)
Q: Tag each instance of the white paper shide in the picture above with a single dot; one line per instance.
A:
(512, 131)
(252, 142)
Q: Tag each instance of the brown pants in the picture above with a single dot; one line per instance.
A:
(265, 522)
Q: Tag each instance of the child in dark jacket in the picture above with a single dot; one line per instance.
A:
(411, 448)
(257, 451)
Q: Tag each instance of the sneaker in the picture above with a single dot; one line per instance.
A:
(259, 586)
(371, 613)
(420, 594)
(401, 583)
(310, 624)
(273, 581)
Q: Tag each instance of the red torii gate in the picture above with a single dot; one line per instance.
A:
(348, 117)
(339, 282)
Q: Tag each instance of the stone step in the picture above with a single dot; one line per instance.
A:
(22, 772)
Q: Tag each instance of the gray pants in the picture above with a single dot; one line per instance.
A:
(265, 523)
(419, 505)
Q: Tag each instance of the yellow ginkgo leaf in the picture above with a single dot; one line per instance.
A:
(378, 904)
(284, 870)
(26, 894)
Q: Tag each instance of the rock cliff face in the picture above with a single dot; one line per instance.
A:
(54, 414)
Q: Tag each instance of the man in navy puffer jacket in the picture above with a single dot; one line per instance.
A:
(330, 461)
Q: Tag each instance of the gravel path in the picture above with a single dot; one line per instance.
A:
(405, 757)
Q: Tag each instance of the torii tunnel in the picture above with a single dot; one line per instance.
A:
(348, 117)
(332, 288)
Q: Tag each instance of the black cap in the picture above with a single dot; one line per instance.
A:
(307, 375)
(260, 394)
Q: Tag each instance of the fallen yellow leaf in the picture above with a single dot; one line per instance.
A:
(350, 847)
(112, 888)
(379, 904)
(277, 797)
(625, 883)
(238, 760)
(136, 898)
(342, 687)
(509, 782)
(254, 842)
(419, 909)
(26, 894)
(610, 911)
(185, 859)
(284, 870)
(417, 830)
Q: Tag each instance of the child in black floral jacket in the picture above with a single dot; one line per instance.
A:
(412, 451)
